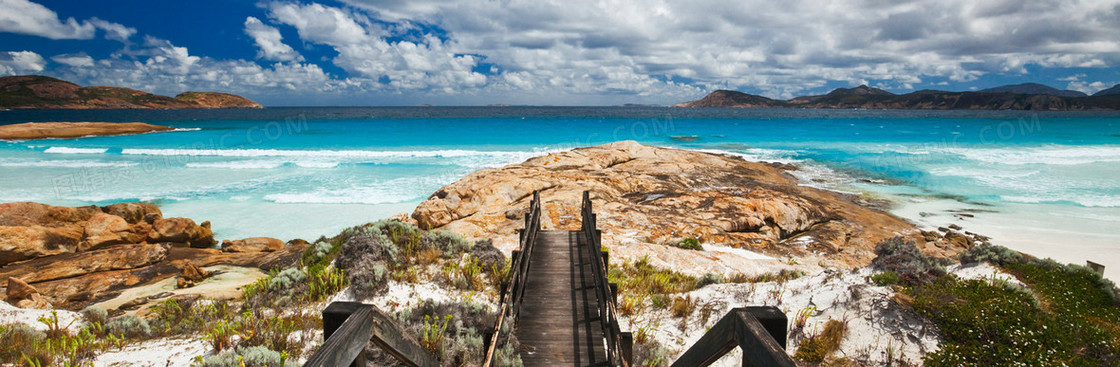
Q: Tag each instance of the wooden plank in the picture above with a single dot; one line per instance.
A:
(365, 324)
(558, 323)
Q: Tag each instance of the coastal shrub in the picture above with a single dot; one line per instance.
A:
(247, 357)
(709, 279)
(18, 339)
(451, 330)
(95, 315)
(128, 326)
(995, 255)
(682, 306)
(366, 260)
(322, 282)
(318, 253)
(781, 276)
(487, 255)
(903, 258)
(286, 279)
(650, 353)
(885, 278)
(687, 244)
(816, 348)
(449, 243)
(642, 278)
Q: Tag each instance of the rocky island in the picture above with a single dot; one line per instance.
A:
(70, 130)
(1014, 97)
(42, 92)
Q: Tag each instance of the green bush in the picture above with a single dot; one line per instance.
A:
(95, 315)
(128, 326)
(904, 259)
(247, 357)
(1068, 320)
(996, 255)
(17, 340)
(710, 278)
(885, 278)
(816, 348)
(449, 243)
(688, 244)
(286, 279)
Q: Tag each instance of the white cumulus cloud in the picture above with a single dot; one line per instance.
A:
(23, 16)
(21, 62)
(73, 59)
(269, 41)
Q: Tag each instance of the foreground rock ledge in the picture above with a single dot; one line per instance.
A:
(648, 195)
(69, 130)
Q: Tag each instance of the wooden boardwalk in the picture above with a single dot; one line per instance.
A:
(559, 321)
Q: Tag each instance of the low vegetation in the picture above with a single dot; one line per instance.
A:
(816, 348)
(275, 322)
(1064, 315)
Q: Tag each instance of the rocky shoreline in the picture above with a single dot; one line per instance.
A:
(69, 258)
(71, 130)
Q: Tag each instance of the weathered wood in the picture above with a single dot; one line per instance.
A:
(557, 325)
(363, 323)
(740, 328)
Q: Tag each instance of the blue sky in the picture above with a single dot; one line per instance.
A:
(573, 52)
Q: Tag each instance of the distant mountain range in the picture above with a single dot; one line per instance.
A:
(41, 92)
(1027, 96)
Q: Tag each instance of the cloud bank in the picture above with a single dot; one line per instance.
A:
(595, 52)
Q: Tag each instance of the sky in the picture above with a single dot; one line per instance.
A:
(564, 52)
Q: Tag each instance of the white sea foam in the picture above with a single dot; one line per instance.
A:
(1048, 155)
(69, 150)
(69, 163)
(759, 155)
(396, 190)
(238, 164)
(445, 153)
(1092, 201)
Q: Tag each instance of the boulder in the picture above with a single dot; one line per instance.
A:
(70, 265)
(35, 301)
(19, 243)
(182, 231)
(191, 275)
(651, 195)
(134, 212)
(106, 230)
(19, 290)
(35, 214)
(253, 244)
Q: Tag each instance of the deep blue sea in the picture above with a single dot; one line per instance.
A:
(1044, 182)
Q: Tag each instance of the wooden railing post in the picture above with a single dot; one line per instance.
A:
(349, 327)
(762, 345)
(334, 316)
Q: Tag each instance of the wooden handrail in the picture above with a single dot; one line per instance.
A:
(759, 331)
(618, 343)
(349, 326)
(514, 289)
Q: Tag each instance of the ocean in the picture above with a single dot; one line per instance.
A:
(1046, 183)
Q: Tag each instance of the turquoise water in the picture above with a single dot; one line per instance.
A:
(1043, 182)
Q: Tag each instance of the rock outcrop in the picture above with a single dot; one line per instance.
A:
(76, 256)
(69, 130)
(35, 91)
(650, 195)
(254, 244)
(182, 231)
